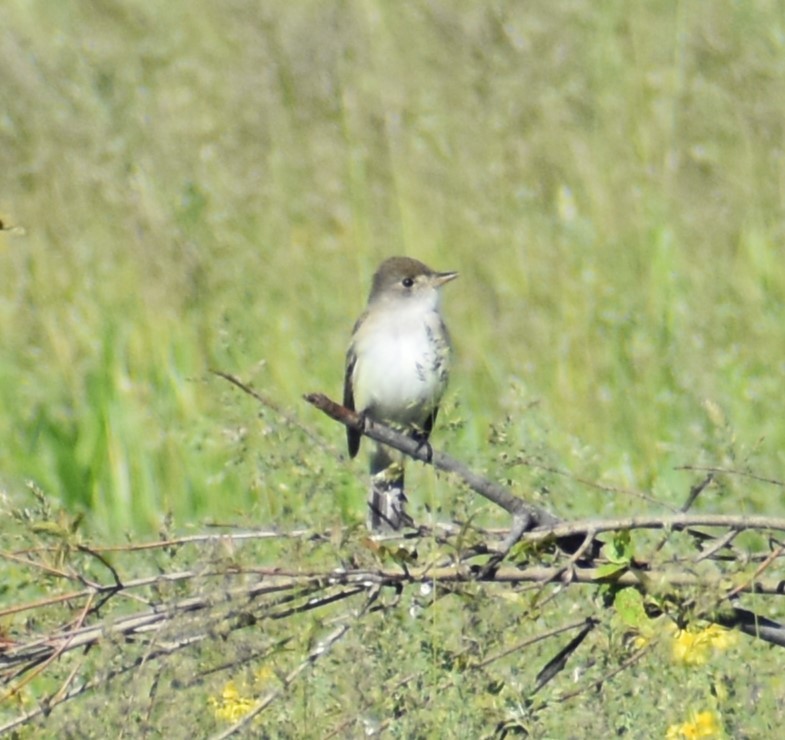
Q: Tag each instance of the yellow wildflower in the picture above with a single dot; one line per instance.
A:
(231, 706)
(704, 724)
(693, 647)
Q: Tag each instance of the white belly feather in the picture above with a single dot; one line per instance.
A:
(402, 367)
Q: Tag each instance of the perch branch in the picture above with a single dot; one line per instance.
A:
(495, 493)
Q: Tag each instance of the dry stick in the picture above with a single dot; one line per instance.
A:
(695, 491)
(285, 415)
(40, 664)
(731, 471)
(149, 621)
(550, 526)
(127, 586)
(529, 641)
(719, 544)
(322, 648)
(45, 709)
(198, 539)
(544, 524)
(495, 493)
(48, 569)
(143, 623)
(514, 575)
(656, 521)
(597, 683)
(561, 528)
(376, 579)
(540, 523)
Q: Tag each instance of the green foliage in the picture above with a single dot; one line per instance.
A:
(432, 656)
(620, 554)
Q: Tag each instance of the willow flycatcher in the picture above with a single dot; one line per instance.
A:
(397, 368)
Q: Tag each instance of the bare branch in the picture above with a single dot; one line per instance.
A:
(290, 419)
(732, 471)
(495, 493)
(657, 521)
(696, 491)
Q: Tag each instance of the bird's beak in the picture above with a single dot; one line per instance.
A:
(440, 278)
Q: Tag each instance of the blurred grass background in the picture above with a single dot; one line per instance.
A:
(212, 185)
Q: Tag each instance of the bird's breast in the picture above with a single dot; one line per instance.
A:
(401, 369)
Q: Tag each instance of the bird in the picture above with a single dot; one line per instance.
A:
(397, 368)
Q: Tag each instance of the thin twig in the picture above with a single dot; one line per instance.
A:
(321, 649)
(731, 471)
(596, 485)
(530, 641)
(289, 418)
(751, 584)
(695, 491)
(718, 545)
(656, 521)
(597, 683)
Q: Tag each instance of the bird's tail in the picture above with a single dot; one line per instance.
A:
(386, 496)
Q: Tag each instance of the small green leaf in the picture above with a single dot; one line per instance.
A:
(619, 550)
(611, 570)
(628, 604)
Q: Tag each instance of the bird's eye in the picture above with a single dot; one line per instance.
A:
(407, 282)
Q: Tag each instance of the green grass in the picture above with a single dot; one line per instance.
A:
(215, 189)
(212, 186)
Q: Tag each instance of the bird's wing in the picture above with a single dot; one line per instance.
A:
(430, 420)
(352, 435)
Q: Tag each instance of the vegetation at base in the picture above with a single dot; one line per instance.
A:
(211, 185)
(335, 635)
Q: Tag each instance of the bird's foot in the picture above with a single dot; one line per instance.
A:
(422, 442)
